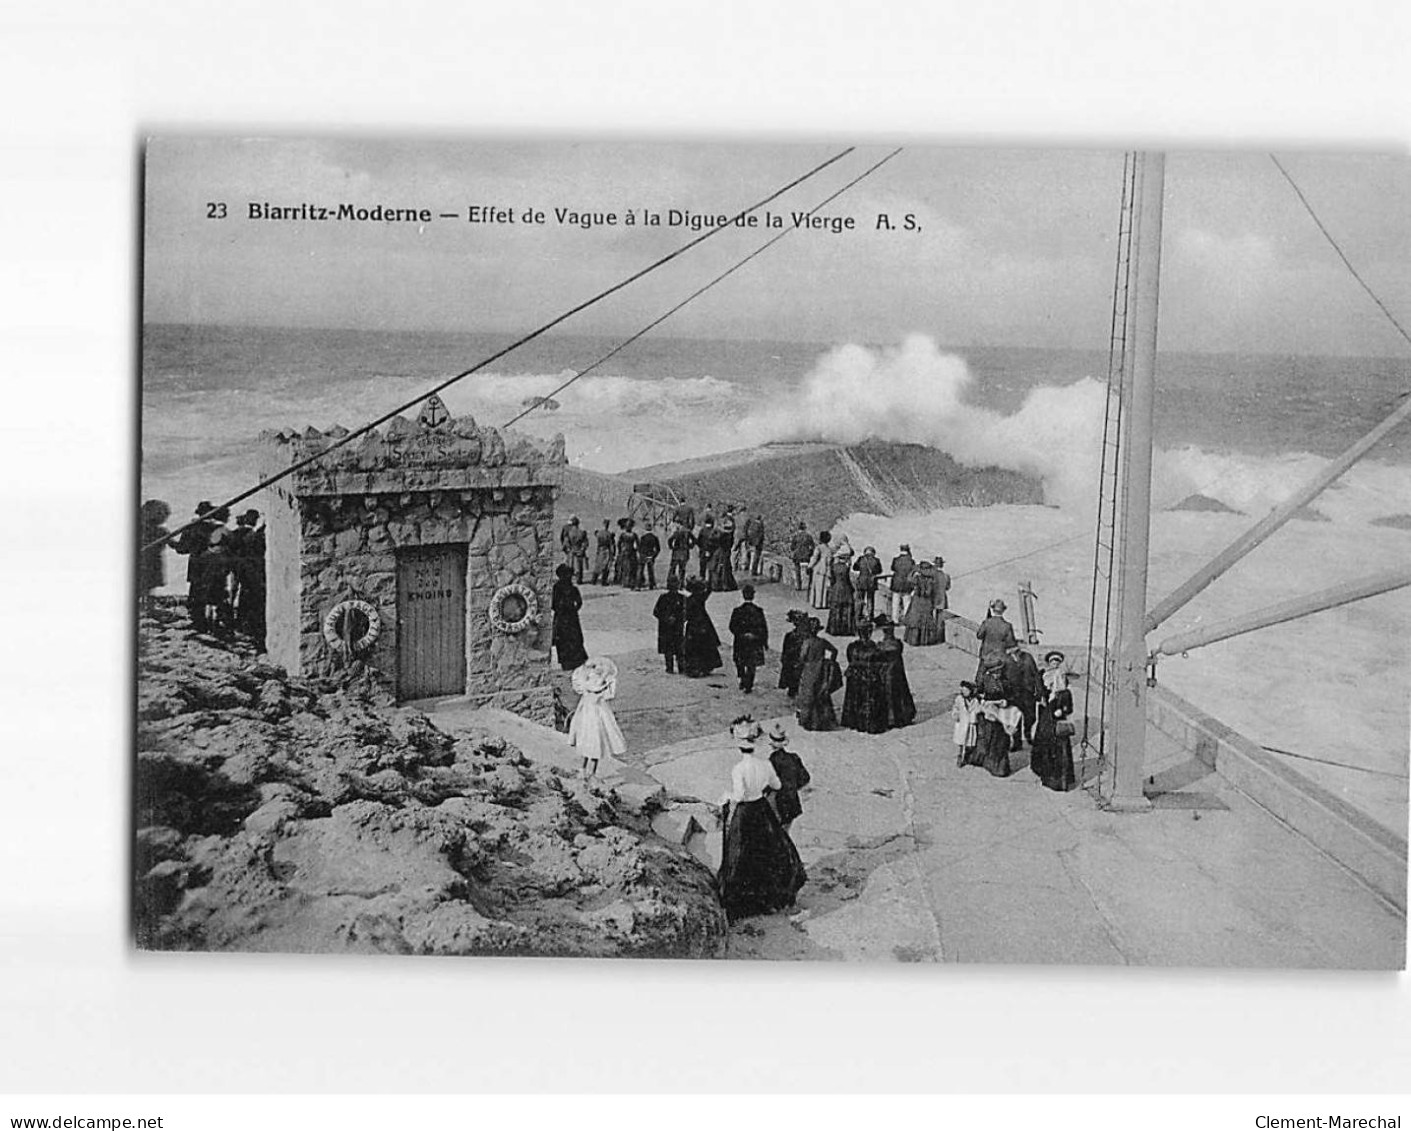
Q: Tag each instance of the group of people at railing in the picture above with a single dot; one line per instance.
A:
(724, 545)
(849, 586)
(225, 568)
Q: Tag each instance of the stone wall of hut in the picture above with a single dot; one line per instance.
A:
(336, 526)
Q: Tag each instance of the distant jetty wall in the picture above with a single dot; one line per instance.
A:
(819, 484)
(608, 492)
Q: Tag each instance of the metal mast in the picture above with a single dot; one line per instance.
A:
(1138, 415)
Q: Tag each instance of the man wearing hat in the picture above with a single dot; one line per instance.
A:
(942, 596)
(868, 570)
(195, 542)
(901, 584)
(751, 633)
(648, 550)
(995, 637)
(247, 552)
(792, 774)
(800, 551)
(1024, 687)
(574, 540)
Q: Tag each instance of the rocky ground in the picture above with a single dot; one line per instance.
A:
(273, 814)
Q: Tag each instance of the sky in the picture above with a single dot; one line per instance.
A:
(1010, 247)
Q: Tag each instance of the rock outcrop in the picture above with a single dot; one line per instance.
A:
(275, 814)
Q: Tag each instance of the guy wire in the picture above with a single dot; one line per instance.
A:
(698, 292)
(547, 326)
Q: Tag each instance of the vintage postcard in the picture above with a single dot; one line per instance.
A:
(774, 552)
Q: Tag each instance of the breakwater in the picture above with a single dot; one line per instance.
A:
(819, 484)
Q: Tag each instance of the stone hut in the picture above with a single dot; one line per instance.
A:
(417, 560)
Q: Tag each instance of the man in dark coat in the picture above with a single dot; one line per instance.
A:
(684, 515)
(754, 543)
(792, 774)
(1024, 687)
(707, 542)
(679, 542)
(864, 588)
(574, 540)
(995, 637)
(195, 541)
(670, 613)
(247, 552)
(648, 550)
(800, 551)
(602, 563)
(751, 633)
(901, 584)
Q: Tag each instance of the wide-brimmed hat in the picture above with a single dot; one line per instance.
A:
(745, 730)
(777, 733)
(882, 620)
(1055, 654)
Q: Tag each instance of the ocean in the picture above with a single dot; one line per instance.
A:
(1242, 431)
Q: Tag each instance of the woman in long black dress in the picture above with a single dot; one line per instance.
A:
(865, 694)
(842, 612)
(789, 654)
(568, 630)
(901, 705)
(760, 870)
(818, 662)
(700, 643)
(1052, 756)
(991, 741)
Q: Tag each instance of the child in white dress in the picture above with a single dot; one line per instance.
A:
(963, 711)
(593, 729)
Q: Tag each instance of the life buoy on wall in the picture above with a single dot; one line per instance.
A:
(513, 608)
(352, 626)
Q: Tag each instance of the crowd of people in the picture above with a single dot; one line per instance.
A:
(880, 611)
(727, 540)
(225, 568)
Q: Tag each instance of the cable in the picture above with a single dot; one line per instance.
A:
(1330, 762)
(1346, 262)
(366, 428)
(698, 292)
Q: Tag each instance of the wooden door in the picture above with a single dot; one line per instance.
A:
(431, 621)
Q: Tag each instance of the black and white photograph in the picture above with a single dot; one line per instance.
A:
(772, 551)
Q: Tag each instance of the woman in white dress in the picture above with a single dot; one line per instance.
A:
(593, 729)
(819, 567)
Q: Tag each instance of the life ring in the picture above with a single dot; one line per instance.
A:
(352, 626)
(513, 608)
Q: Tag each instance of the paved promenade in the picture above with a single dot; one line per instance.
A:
(913, 859)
